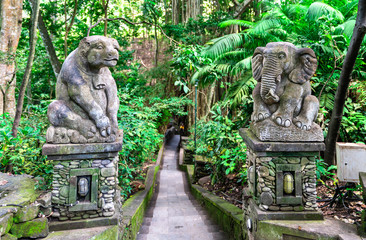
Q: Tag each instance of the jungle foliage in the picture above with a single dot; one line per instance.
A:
(213, 50)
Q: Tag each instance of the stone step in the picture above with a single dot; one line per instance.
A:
(108, 232)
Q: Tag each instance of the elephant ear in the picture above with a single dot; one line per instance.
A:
(257, 63)
(306, 66)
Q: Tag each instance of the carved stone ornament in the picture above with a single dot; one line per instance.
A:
(284, 109)
(87, 102)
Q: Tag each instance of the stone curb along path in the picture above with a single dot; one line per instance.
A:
(173, 212)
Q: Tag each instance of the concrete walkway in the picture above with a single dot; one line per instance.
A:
(173, 212)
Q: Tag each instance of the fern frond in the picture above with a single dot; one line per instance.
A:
(223, 44)
(327, 101)
(319, 9)
(238, 22)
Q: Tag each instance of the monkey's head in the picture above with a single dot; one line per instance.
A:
(99, 51)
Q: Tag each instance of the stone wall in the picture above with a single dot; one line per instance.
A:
(23, 210)
(106, 171)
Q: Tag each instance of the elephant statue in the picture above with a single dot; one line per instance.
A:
(283, 91)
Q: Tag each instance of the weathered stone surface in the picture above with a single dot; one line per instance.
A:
(26, 213)
(6, 222)
(266, 198)
(64, 149)
(45, 200)
(282, 95)
(64, 191)
(268, 131)
(108, 172)
(20, 190)
(90, 114)
(36, 228)
(9, 236)
(263, 171)
(259, 146)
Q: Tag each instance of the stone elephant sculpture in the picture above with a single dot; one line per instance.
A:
(283, 91)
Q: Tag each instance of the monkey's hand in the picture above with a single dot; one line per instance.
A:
(104, 126)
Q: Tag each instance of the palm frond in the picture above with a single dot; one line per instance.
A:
(295, 11)
(238, 22)
(202, 73)
(242, 66)
(240, 91)
(223, 44)
(236, 54)
(318, 10)
(346, 28)
(349, 7)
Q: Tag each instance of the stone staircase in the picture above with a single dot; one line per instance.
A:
(173, 212)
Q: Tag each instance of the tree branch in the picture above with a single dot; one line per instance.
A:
(131, 23)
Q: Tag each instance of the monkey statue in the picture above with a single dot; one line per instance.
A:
(86, 105)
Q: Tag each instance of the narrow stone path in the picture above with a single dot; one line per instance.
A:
(173, 212)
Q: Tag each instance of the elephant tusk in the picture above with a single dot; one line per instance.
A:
(271, 95)
(278, 78)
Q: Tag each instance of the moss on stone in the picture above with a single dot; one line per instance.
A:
(5, 223)
(26, 213)
(33, 229)
(110, 234)
(9, 237)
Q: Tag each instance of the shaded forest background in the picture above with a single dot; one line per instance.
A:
(167, 47)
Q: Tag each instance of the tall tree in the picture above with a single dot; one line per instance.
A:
(47, 41)
(344, 80)
(69, 26)
(175, 12)
(28, 69)
(11, 25)
(105, 8)
(193, 9)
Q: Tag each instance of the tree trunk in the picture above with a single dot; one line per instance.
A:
(343, 83)
(105, 7)
(55, 62)
(27, 72)
(193, 9)
(11, 26)
(156, 42)
(175, 12)
(67, 26)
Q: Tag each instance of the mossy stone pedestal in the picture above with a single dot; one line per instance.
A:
(281, 180)
(85, 178)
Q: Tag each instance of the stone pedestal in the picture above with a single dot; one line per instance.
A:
(85, 178)
(281, 179)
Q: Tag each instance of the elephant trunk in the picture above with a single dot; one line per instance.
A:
(271, 75)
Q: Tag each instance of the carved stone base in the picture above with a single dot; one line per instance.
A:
(281, 176)
(267, 130)
(84, 180)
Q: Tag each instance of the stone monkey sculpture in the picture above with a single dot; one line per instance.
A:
(283, 91)
(87, 102)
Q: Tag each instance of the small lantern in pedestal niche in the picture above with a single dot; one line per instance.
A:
(288, 184)
(83, 187)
